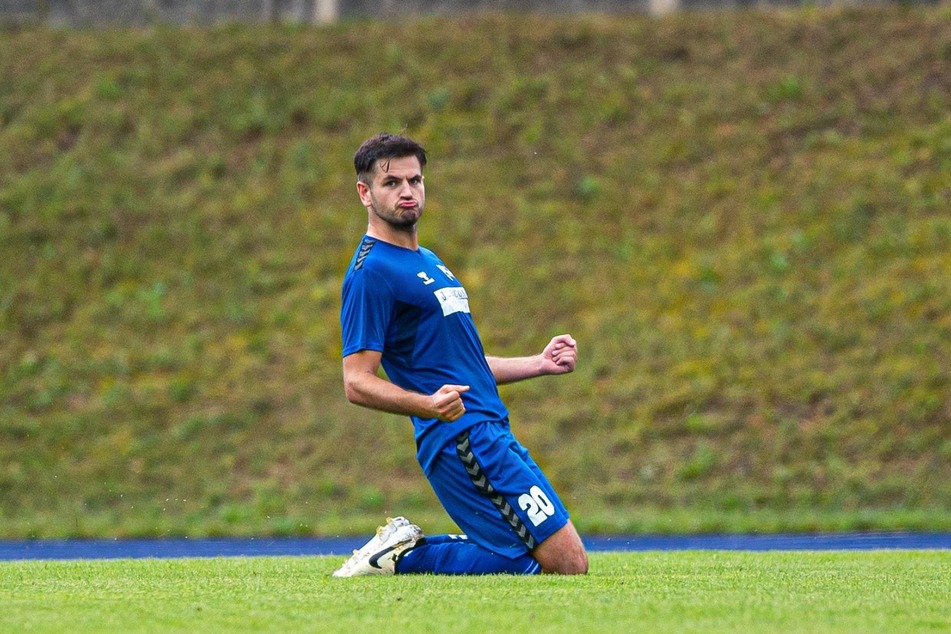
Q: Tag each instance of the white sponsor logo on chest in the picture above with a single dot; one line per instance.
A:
(452, 300)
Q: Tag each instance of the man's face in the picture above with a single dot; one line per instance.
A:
(396, 194)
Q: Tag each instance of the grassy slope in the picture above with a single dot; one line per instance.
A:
(705, 592)
(743, 218)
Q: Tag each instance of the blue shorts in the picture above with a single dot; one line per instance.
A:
(495, 492)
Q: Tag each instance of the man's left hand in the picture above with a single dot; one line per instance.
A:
(560, 355)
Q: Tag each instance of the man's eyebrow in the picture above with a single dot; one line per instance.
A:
(394, 177)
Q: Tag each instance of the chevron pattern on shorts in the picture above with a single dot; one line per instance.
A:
(481, 482)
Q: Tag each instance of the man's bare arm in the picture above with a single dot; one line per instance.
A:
(558, 357)
(363, 386)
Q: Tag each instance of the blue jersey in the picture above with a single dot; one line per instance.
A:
(408, 306)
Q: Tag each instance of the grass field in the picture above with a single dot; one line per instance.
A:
(686, 591)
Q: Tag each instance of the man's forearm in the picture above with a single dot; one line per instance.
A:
(512, 369)
(376, 393)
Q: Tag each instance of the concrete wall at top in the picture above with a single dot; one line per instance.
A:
(62, 13)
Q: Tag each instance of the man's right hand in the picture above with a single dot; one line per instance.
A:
(447, 402)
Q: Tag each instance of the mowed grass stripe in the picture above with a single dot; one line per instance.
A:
(686, 591)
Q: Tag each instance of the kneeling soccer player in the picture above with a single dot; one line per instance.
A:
(403, 309)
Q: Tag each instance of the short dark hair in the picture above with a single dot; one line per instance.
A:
(385, 146)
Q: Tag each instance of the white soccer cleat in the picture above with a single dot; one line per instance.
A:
(378, 556)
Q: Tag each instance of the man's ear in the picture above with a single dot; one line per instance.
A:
(363, 191)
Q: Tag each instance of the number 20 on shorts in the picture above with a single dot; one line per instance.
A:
(537, 505)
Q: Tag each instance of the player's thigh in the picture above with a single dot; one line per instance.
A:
(496, 493)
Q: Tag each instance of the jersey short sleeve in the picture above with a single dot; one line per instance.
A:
(367, 304)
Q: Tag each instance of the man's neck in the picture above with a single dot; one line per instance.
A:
(406, 239)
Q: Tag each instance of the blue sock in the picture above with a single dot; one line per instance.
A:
(456, 555)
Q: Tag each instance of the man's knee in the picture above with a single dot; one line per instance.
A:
(563, 553)
(576, 564)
